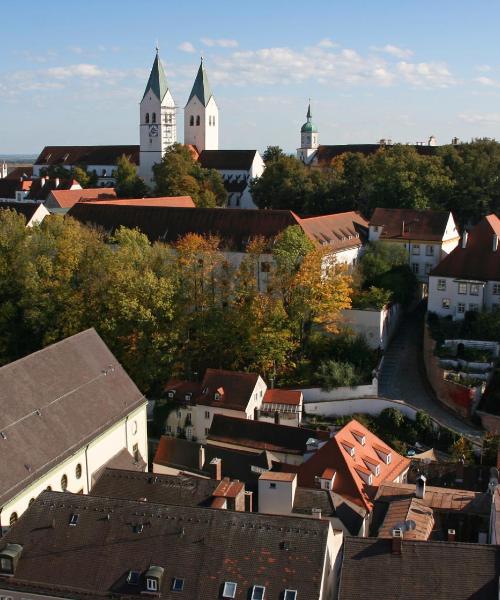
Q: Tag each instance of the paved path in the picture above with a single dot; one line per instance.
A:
(403, 375)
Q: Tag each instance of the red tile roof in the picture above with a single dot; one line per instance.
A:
(409, 509)
(418, 224)
(86, 155)
(437, 498)
(348, 482)
(289, 397)
(338, 231)
(328, 473)
(68, 198)
(229, 489)
(277, 476)
(477, 260)
(173, 201)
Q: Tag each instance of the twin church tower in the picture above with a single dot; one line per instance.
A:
(158, 126)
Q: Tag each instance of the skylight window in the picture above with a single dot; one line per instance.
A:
(177, 584)
(133, 577)
(73, 520)
(229, 590)
(258, 592)
(290, 595)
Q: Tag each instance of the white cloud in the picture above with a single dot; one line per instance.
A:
(483, 68)
(487, 81)
(480, 119)
(82, 70)
(426, 74)
(327, 43)
(186, 47)
(76, 49)
(394, 51)
(221, 43)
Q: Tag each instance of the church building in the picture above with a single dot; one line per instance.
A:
(308, 138)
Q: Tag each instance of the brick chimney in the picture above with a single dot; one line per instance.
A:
(420, 486)
(495, 242)
(215, 468)
(397, 541)
(201, 457)
(451, 535)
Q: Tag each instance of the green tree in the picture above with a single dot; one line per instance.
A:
(84, 178)
(332, 374)
(128, 183)
(380, 257)
(179, 174)
(373, 297)
(272, 153)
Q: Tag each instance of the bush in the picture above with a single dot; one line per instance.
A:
(332, 374)
(374, 298)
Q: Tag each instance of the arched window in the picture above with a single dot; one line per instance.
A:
(78, 471)
(147, 117)
(198, 120)
(213, 120)
(191, 120)
(153, 117)
(13, 518)
(31, 501)
(49, 488)
(64, 483)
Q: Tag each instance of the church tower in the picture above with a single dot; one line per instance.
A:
(201, 115)
(158, 128)
(308, 138)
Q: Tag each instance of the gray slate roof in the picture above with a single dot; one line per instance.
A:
(205, 547)
(157, 81)
(201, 87)
(53, 402)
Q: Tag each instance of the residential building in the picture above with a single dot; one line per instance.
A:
(427, 236)
(238, 168)
(469, 278)
(105, 547)
(33, 212)
(60, 201)
(182, 490)
(99, 160)
(353, 463)
(65, 412)
(418, 570)
(291, 445)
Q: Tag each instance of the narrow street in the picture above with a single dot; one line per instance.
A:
(403, 375)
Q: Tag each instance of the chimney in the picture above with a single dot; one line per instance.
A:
(495, 242)
(248, 501)
(215, 468)
(256, 413)
(451, 535)
(420, 486)
(465, 235)
(277, 418)
(397, 541)
(56, 182)
(201, 457)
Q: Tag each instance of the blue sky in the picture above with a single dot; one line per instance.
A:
(74, 72)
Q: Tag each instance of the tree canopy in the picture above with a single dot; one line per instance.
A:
(128, 183)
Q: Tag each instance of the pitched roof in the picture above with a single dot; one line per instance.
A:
(162, 489)
(67, 198)
(157, 81)
(338, 231)
(227, 160)
(424, 569)
(477, 260)
(349, 469)
(55, 401)
(172, 201)
(409, 509)
(201, 87)
(202, 546)
(27, 209)
(22, 171)
(9, 187)
(276, 396)
(86, 155)
(235, 227)
(262, 435)
(418, 224)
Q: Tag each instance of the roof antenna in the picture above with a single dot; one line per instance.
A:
(157, 47)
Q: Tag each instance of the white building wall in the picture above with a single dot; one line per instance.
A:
(204, 136)
(244, 199)
(445, 299)
(276, 497)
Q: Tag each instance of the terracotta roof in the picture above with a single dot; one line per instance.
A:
(24, 171)
(202, 546)
(67, 198)
(338, 231)
(348, 481)
(41, 188)
(27, 209)
(423, 570)
(276, 396)
(86, 155)
(57, 400)
(173, 201)
(229, 489)
(477, 260)
(328, 473)
(227, 160)
(418, 224)
(410, 509)
(276, 476)
(262, 435)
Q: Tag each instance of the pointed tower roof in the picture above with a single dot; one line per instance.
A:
(309, 126)
(201, 87)
(157, 81)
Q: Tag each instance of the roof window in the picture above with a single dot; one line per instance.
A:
(290, 595)
(359, 437)
(133, 577)
(229, 590)
(177, 584)
(350, 449)
(258, 592)
(73, 520)
(9, 557)
(154, 576)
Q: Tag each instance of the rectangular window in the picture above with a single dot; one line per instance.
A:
(445, 303)
(272, 486)
(135, 452)
(207, 430)
(177, 584)
(474, 289)
(207, 414)
(229, 590)
(258, 592)
(429, 250)
(428, 268)
(496, 289)
(168, 429)
(460, 308)
(462, 288)
(290, 595)
(415, 268)
(5, 565)
(473, 307)
(152, 584)
(441, 286)
(415, 249)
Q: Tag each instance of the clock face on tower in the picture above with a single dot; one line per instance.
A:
(153, 131)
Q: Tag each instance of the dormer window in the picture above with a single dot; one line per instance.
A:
(187, 397)
(151, 584)
(229, 590)
(258, 592)
(349, 449)
(171, 394)
(154, 576)
(9, 557)
(359, 437)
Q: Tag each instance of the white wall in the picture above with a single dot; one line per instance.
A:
(450, 293)
(276, 497)
(316, 394)
(204, 136)
(370, 406)
(377, 326)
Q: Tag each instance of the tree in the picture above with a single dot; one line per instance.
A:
(380, 257)
(332, 374)
(390, 420)
(128, 183)
(84, 178)
(272, 153)
(179, 174)
(461, 450)
(372, 298)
